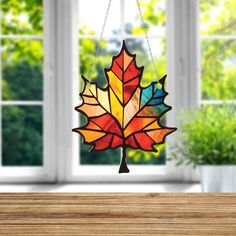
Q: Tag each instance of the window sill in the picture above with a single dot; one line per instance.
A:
(160, 187)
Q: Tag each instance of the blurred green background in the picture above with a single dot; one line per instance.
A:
(22, 66)
(21, 80)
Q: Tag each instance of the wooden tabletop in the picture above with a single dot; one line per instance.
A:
(117, 214)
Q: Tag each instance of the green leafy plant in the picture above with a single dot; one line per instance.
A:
(208, 137)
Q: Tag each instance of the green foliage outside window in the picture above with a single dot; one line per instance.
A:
(22, 79)
(218, 56)
(22, 62)
(208, 137)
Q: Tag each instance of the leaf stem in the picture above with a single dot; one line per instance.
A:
(123, 164)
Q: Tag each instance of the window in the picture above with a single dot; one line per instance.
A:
(23, 93)
(55, 42)
(123, 22)
(218, 43)
(22, 83)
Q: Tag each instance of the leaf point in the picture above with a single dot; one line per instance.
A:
(84, 79)
(124, 46)
(162, 80)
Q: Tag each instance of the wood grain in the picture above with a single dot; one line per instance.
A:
(117, 214)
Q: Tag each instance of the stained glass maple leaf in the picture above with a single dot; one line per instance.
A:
(123, 114)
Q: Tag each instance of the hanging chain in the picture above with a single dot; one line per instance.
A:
(98, 48)
(146, 36)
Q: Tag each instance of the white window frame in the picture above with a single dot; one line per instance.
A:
(60, 97)
(183, 62)
(45, 173)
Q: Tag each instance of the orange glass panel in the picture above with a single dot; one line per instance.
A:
(137, 124)
(91, 136)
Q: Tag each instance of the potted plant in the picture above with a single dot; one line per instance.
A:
(208, 141)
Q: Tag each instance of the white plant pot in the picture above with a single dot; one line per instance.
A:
(218, 178)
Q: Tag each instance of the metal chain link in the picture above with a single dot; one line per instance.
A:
(146, 36)
(98, 48)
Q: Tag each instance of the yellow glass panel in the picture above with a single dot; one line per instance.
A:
(116, 85)
(116, 108)
(154, 125)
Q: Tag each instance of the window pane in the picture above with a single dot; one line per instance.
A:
(218, 69)
(136, 156)
(153, 12)
(22, 62)
(92, 14)
(218, 17)
(22, 142)
(110, 48)
(22, 17)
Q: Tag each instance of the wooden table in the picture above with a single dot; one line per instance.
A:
(117, 214)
